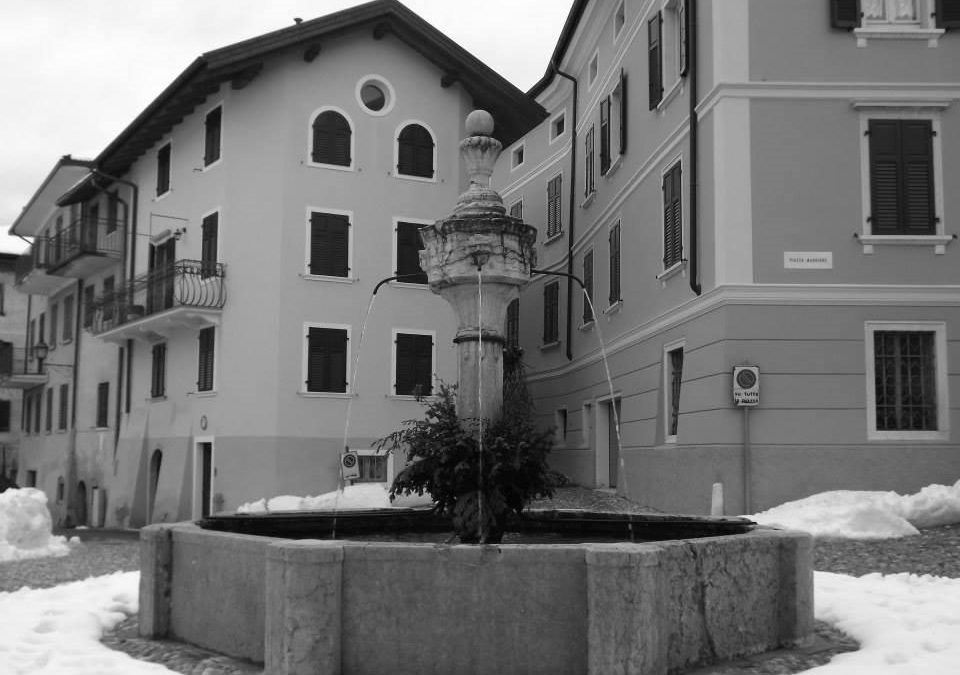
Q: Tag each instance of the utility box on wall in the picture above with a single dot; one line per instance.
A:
(746, 386)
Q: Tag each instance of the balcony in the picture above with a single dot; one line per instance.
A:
(187, 294)
(30, 272)
(85, 247)
(15, 370)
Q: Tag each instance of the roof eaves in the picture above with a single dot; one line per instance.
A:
(563, 43)
(65, 161)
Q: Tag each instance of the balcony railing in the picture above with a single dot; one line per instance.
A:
(187, 284)
(17, 369)
(97, 237)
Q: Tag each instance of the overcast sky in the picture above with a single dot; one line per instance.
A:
(74, 73)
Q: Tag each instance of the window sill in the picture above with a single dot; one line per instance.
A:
(893, 32)
(937, 241)
(672, 271)
(670, 440)
(160, 196)
(612, 169)
(335, 167)
(670, 94)
(202, 394)
(410, 284)
(415, 179)
(933, 435)
(588, 200)
(548, 346)
(215, 163)
(325, 277)
(587, 326)
(100, 428)
(553, 237)
(613, 308)
(411, 397)
(324, 394)
(157, 399)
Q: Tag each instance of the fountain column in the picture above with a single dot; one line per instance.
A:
(476, 250)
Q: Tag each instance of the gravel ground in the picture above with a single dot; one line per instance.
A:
(934, 551)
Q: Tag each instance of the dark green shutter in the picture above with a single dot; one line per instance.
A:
(409, 246)
(655, 60)
(614, 296)
(604, 135)
(103, 402)
(551, 305)
(845, 14)
(331, 139)
(329, 244)
(208, 245)
(588, 182)
(587, 286)
(327, 360)
(917, 185)
(4, 416)
(948, 13)
(211, 150)
(415, 152)
(205, 361)
(553, 206)
(672, 218)
(414, 374)
(901, 177)
(6, 358)
(623, 112)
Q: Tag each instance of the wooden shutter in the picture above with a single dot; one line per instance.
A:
(672, 218)
(163, 169)
(604, 135)
(845, 14)
(329, 244)
(327, 360)
(414, 374)
(409, 246)
(948, 13)
(158, 384)
(588, 182)
(103, 402)
(551, 300)
(4, 416)
(208, 245)
(623, 112)
(587, 286)
(49, 425)
(67, 334)
(614, 264)
(415, 152)
(205, 361)
(211, 149)
(553, 206)
(331, 139)
(6, 358)
(655, 60)
(901, 177)
(64, 400)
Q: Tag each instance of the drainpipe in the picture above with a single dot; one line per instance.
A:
(130, 245)
(72, 448)
(694, 151)
(573, 204)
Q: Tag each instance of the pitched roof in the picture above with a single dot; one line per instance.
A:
(65, 173)
(515, 112)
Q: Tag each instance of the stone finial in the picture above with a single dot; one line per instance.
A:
(480, 151)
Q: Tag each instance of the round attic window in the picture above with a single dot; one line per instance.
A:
(375, 95)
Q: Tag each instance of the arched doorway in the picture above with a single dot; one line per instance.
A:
(155, 461)
(81, 503)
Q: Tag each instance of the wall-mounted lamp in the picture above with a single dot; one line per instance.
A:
(41, 350)
(179, 232)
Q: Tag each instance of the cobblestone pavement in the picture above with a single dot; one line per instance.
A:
(934, 551)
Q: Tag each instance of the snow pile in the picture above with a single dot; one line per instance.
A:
(57, 631)
(359, 496)
(867, 515)
(25, 526)
(906, 624)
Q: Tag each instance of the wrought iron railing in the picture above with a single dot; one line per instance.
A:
(16, 361)
(95, 236)
(185, 283)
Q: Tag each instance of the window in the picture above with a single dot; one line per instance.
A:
(375, 95)
(67, 333)
(54, 318)
(332, 139)
(60, 489)
(211, 136)
(516, 157)
(672, 218)
(113, 212)
(560, 423)
(4, 415)
(103, 405)
(589, 185)
(593, 69)
(326, 367)
(108, 304)
(37, 407)
(41, 327)
(415, 154)
(673, 372)
(329, 249)
(618, 20)
(31, 478)
(682, 46)
(588, 287)
(413, 361)
(163, 170)
(89, 294)
(906, 381)
(158, 371)
(614, 241)
(408, 250)
(553, 206)
(48, 427)
(205, 358)
(64, 405)
(620, 109)
(512, 329)
(516, 210)
(655, 60)
(557, 126)
(209, 227)
(373, 467)
(901, 177)
(551, 313)
(604, 134)
(924, 19)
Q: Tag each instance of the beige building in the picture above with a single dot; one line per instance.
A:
(227, 246)
(763, 183)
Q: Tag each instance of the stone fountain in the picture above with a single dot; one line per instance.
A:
(674, 593)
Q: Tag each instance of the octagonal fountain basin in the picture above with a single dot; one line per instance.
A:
(276, 589)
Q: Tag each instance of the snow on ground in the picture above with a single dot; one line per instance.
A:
(56, 631)
(25, 526)
(867, 515)
(359, 496)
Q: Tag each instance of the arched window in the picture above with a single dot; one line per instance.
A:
(331, 139)
(415, 152)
